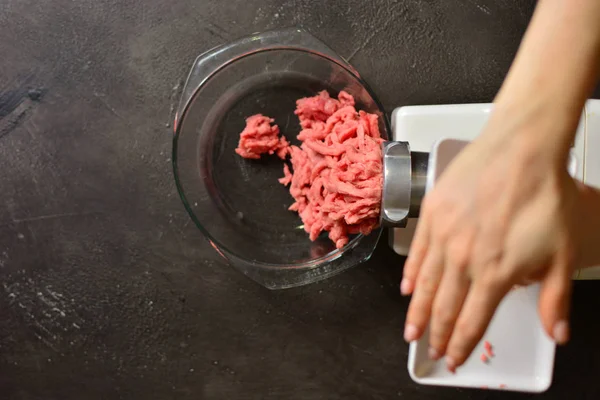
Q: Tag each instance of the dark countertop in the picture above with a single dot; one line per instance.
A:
(107, 291)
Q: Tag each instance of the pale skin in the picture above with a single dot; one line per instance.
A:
(506, 212)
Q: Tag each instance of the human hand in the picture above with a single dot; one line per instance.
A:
(503, 213)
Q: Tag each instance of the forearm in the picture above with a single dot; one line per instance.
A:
(555, 69)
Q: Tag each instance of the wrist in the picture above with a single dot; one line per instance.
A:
(535, 126)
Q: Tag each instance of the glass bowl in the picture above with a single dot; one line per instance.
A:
(238, 204)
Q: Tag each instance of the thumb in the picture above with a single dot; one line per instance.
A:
(555, 301)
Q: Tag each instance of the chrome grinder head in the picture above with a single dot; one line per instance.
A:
(404, 180)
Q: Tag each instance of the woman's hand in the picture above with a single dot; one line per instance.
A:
(503, 213)
(505, 210)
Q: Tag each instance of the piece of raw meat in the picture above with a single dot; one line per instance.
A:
(260, 137)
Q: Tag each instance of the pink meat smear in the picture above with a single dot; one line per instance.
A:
(336, 178)
(261, 136)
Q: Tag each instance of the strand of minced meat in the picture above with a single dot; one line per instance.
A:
(336, 176)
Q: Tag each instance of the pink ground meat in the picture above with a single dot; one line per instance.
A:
(260, 137)
(337, 175)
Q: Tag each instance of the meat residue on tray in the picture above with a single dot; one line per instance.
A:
(336, 176)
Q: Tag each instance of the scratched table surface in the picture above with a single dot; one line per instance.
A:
(107, 291)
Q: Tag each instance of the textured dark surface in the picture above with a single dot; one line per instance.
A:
(107, 291)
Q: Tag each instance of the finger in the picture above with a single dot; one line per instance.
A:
(555, 301)
(448, 302)
(416, 256)
(451, 294)
(482, 300)
(426, 286)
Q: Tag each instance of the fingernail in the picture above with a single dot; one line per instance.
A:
(561, 332)
(410, 333)
(405, 287)
(451, 364)
(433, 354)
